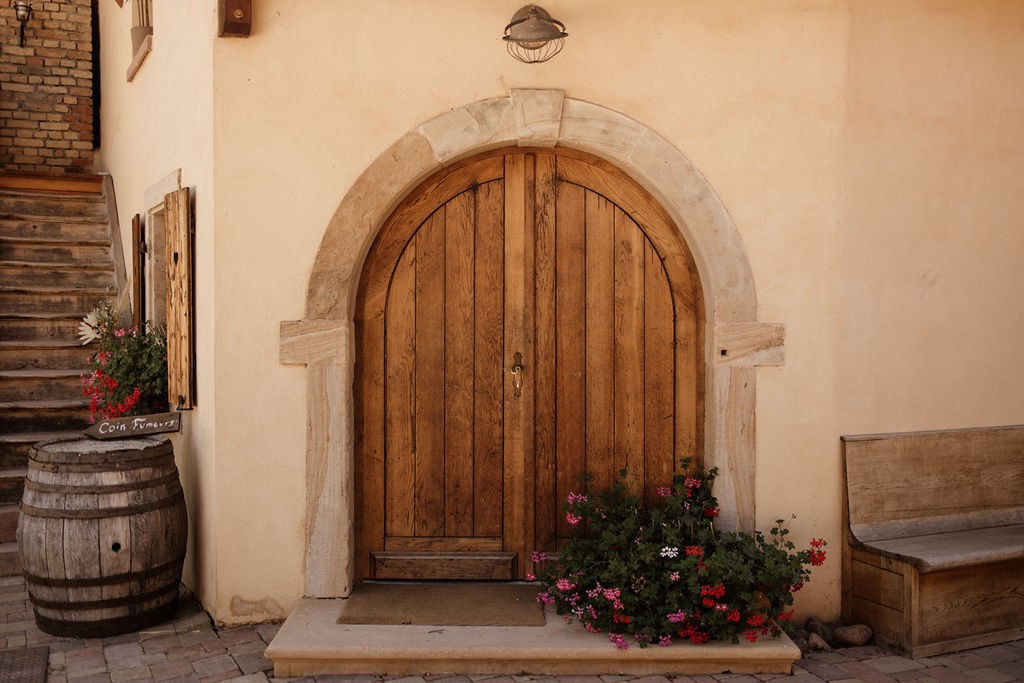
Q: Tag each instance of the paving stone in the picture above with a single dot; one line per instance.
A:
(98, 677)
(218, 678)
(177, 668)
(1015, 668)
(213, 665)
(250, 678)
(253, 663)
(961, 660)
(986, 675)
(137, 674)
(931, 674)
(268, 631)
(247, 648)
(889, 665)
(997, 654)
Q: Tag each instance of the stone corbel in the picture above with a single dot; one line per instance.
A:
(749, 344)
(737, 349)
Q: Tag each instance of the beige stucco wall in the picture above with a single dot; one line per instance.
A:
(156, 135)
(868, 153)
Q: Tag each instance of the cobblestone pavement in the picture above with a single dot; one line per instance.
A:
(190, 648)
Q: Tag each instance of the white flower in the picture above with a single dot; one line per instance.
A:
(89, 328)
(669, 551)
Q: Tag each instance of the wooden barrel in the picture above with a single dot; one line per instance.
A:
(102, 534)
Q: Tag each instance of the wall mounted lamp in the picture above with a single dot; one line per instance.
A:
(23, 11)
(533, 36)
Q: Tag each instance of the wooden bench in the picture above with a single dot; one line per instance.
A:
(933, 556)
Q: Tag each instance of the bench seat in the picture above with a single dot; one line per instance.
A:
(955, 549)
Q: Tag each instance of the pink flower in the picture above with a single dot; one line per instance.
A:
(677, 617)
(574, 497)
(664, 491)
(573, 519)
(619, 640)
(564, 585)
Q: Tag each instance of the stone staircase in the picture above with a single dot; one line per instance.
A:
(56, 263)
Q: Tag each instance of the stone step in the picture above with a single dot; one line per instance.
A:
(68, 301)
(15, 445)
(68, 275)
(44, 327)
(40, 384)
(12, 483)
(52, 205)
(26, 354)
(312, 642)
(44, 416)
(57, 252)
(10, 560)
(54, 229)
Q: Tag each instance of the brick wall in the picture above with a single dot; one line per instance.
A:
(46, 93)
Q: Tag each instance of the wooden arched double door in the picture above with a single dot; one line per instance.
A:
(524, 317)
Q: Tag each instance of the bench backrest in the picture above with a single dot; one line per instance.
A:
(916, 483)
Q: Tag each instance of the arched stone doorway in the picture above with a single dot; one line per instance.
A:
(735, 342)
(527, 317)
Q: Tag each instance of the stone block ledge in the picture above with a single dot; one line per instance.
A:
(312, 643)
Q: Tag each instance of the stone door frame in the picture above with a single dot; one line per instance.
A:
(323, 340)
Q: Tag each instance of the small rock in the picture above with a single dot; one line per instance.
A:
(816, 643)
(817, 626)
(852, 636)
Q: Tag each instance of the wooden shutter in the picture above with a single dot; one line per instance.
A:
(138, 272)
(180, 302)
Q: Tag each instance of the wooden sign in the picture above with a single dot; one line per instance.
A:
(139, 425)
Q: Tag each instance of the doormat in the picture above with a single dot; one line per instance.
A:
(443, 604)
(24, 664)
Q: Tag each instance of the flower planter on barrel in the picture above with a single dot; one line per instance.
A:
(102, 534)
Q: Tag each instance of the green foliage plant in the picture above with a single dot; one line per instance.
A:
(128, 372)
(653, 574)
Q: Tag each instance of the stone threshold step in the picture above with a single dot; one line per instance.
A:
(312, 643)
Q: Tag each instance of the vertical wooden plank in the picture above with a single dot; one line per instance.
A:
(518, 221)
(570, 322)
(400, 398)
(55, 560)
(138, 273)
(659, 376)
(600, 321)
(115, 532)
(430, 399)
(370, 419)
(81, 543)
(689, 349)
(629, 350)
(489, 288)
(459, 326)
(547, 505)
(180, 301)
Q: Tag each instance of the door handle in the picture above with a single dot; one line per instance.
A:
(517, 373)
